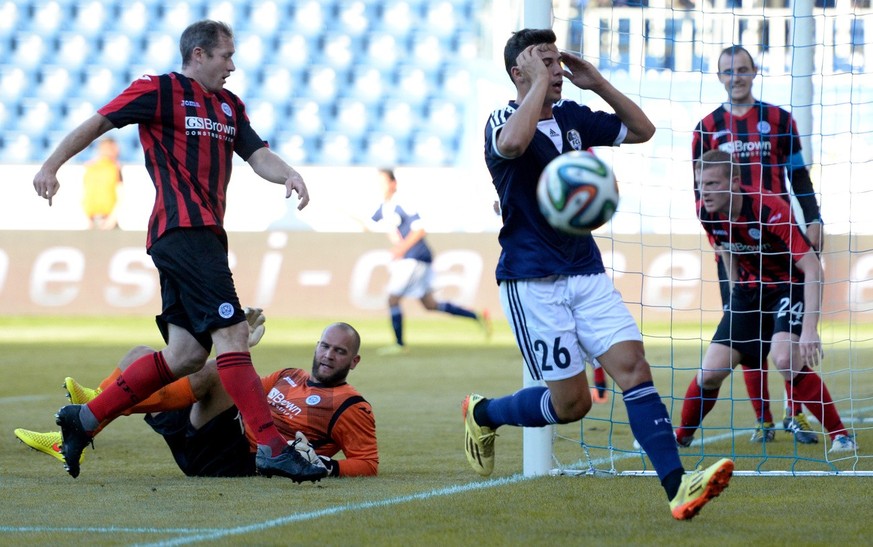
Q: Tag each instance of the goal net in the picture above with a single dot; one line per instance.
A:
(664, 55)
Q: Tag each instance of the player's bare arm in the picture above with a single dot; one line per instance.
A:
(532, 79)
(268, 165)
(45, 182)
(585, 76)
(810, 342)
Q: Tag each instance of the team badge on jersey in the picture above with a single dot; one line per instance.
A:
(574, 139)
(764, 127)
(313, 400)
(755, 233)
(226, 109)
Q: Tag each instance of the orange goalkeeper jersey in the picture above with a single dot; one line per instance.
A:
(334, 419)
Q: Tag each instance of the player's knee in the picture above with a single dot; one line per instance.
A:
(574, 410)
(712, 379)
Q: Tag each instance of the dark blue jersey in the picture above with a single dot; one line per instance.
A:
(531, 248)
(403, 219)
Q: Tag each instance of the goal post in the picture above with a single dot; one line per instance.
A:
(662, 54)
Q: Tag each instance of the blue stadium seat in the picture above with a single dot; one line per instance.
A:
(456, 82)
(19, 148)
(226, 11)
(47, 18)
(383, 51)
(100, 84)
(161, 51)
(428, 149)
(306, 118)
(293, 148)
(293, 51)
(277, 84)
(381, 150)
(116, 51)
(340, 50)
(308, 18)
(73, 50)
(14, 83)
(398, 118)
(74, 111)
(264, 18)
(444, 118)
(54, 83)
(428, 50)
(414, 84)
(441, 18)
(175, 15)
(367, 84)
(251, 51)
(264, 116)
(36, 117)
(11, 16)
(29, 50)
(398, 18)
(322, 83)
(337, 149)
(352, 117)
(353, 17)
(91, 18)
(134, 18)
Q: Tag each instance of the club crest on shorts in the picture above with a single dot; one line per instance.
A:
(225, 311)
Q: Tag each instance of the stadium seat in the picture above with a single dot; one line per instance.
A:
(91, 17)
(306, 119)
(381, 150)
(441, 18)
(353, 18)
(73, 50)
(293, 51)
(293, 148)
(28, 50)
(101, 84)
(264, 18)
(397, 18)
(456, 82)
(413, 84)
(398, 119)
(340, 50)
(250, 51)
(264, 116)
(382, 51)
(115, 51)
(322, 84)
(427, 50)
(14, 82)
(161, 51)
(336, 149)
(47, 18)
(18, 148)
(429, 150)
(76, 111)
(226, 11)
(175, 15)
(277, 84)
(11, 16)
(352, 117)
(308, 18)
(54, 83)
(134, 18)
(444, 119)
(36, 117)
(367, 84)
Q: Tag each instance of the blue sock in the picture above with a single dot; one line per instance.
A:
(448, 307)
(651, 427)
(397, 324)
(528, 407)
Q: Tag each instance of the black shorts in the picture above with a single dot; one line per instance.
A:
(218, 449)
(755, 315)
(197, 290)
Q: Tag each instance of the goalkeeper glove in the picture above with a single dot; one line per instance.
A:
(304, 448)
(255, 318)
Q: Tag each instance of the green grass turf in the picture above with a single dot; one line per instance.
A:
(130, 491)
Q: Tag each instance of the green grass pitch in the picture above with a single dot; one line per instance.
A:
(130, 491)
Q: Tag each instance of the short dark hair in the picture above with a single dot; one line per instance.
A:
(206, 34)
(521, 40)
(733, 51)
(717, 158)
(388, 172)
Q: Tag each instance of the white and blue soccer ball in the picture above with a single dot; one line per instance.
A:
(577, 192)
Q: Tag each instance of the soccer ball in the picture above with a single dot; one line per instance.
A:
(577, 193)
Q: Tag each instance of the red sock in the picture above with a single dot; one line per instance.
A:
(759, 392)
(244, 386)
(808, 389)
(599, 376)
(697, 405)
(142, 378)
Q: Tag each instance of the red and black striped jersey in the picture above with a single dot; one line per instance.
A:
(188, 136)
(762, 141)
(334, 419)
(764, 239)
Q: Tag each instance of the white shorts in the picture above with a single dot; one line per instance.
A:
(410, 278)
(561, 321)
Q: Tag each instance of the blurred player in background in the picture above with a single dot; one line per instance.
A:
(764, 143)
(775, 299)
(101, 185)
(189, 126)
(561, 305)
(411, 268)
(319, 412)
